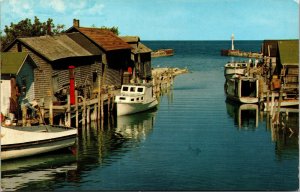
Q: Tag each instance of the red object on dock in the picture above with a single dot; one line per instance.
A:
(72, 84)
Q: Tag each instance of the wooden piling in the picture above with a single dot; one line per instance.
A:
(88, 114)
(69, 111)
(76, 109)
(51, 112)
(24, 115)
(84, 111)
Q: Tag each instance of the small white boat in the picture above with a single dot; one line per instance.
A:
(135, 98)
(235, 68)
(242, 89)
(19, 142)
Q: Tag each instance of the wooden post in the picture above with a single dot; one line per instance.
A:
(41, 114)
(99, 97)
(69, 111)
(84, 111)
(76, 109)
(108, 104)
(51, 112)
(102, 106)
(268, 101)
(88, 114)
(24, 115)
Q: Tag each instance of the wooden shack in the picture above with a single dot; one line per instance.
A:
(116, 52)
(140, 58)
(288, 66)
(53, 55)
(17, 81)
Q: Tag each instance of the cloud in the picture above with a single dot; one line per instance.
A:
(297, 1)
(57, 5)
(86, 9)
(14, 8)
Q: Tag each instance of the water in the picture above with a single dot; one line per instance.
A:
(195, 140)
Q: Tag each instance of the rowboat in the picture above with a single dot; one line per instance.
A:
(135, 98)
(19, 142)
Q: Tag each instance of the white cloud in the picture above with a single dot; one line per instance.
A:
(86, 9)
(20, 9)
(58, 5)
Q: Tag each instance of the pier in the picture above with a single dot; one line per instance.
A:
(96, 108)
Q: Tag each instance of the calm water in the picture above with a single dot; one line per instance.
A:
(195, 140)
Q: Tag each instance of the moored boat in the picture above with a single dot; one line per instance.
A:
(19, 142)
(242, 89)
(235, 68)
(135, 98)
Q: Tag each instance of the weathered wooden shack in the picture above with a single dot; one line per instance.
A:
(288, 66)
(17, 81)
(116, 52)
(53, 55)
(140, 58)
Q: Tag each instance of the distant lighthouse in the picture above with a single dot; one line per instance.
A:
(232, 39)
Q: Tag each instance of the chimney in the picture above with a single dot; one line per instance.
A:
(75, 22)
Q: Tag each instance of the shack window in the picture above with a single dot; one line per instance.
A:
(125, 88)
(132, 89)
(140, 90)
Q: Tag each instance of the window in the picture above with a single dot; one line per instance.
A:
(140, 90)
(125, 89)
(122, 98)
(132, 89)
(131, 99)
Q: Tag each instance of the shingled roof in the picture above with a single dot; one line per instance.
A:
(12, 62)
(56, 47)
(102, 37)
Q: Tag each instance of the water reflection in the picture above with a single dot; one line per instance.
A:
(245, 116)
(136, 126)
(285, 133)
(38, 172)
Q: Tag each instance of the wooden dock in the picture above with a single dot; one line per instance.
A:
(100, 106)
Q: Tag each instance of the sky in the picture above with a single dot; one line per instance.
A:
(167, 19)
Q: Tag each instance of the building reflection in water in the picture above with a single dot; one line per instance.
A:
(103, 142)
(285, 132)
(245, 116)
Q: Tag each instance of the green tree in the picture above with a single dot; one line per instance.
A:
(113, 29)
(26, 28)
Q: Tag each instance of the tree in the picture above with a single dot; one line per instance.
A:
(27, 29)
(113, 29)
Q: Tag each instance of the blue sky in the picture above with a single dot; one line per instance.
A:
(168, 19)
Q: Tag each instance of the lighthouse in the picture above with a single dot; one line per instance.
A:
(232, 39)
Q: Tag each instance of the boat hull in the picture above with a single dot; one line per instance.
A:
(130, 108)
(16, 143)
(242, 89)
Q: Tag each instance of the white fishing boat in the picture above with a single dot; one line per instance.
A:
(26, 141)
(135, 98)
(235, 68)
(242, 89)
